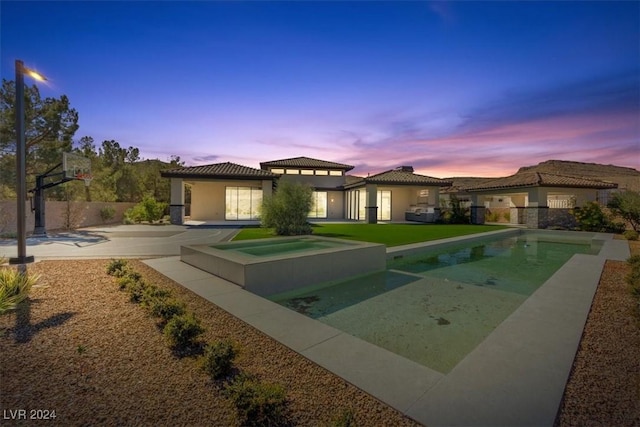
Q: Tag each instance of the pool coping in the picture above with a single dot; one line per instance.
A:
(516, 376)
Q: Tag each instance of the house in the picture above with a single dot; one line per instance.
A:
(232, 192)
(535, 199)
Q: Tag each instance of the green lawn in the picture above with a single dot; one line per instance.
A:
(388, 234)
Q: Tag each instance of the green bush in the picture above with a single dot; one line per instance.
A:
(182, 331)
(288, 208)
(258, 403)
(14, 288)
(107, 213)
(346, 418)
(137, 289)
(118, 267)
(165, 308)
(630, 235)
(626, 205)
(147, 210)
(218, 359)
(591, 217)
(452, 211)
(491, 216)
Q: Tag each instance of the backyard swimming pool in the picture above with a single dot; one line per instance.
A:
(436, 305)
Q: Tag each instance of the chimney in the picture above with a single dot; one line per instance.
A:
(405, 169)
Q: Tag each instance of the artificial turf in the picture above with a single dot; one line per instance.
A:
(388, 234)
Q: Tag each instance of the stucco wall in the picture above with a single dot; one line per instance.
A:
(335, 205)
(208, 197)
(59, 214)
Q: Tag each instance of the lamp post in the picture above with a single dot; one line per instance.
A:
(21, 163)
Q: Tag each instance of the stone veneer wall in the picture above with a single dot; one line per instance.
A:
(562, 218)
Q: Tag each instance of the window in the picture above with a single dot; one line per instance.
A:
(319, 205)
(306, 172)
(362, 204)
(275, 170)
(293, 172)
(384, 205)
(423, 193)
(335, 173)
(322, 172)
(353, 203)
(242, 203)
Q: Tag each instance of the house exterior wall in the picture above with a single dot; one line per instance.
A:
(208, 197)
(315, 181)
(335, 205)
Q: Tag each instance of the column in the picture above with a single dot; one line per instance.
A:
(537, 212)
(477, 210)
(176, 208)
(371, 209)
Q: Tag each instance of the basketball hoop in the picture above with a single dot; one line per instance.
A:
(86, 177)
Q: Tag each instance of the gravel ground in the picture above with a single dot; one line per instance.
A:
(604, 385)
(80, 348)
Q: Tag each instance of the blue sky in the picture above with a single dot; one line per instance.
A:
(452, 88)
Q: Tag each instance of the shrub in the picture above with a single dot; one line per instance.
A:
(117, 267)
(137, 289)
(147, 210)
(626, 205)
(345, 419)
(218, 359)
(507, 216)
(453, 212)
(492, 216)
(182, 331)
(633, 278)
(591, 217)
(630, 235)
(258, 403)
(153, 292)
(165, 308)
(14, 288)
(288, 208)
(107, 213)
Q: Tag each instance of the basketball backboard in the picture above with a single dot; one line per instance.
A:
(75, 166)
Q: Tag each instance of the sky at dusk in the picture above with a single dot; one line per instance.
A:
(452, 88)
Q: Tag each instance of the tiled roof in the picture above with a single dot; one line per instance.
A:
(305, 162)
(400, 176)
(462, 183)
(217, 170)
(539, 179)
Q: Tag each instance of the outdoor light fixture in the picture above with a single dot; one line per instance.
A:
(21, 163)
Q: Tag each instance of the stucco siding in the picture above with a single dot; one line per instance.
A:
(208, 197)
(335, 205)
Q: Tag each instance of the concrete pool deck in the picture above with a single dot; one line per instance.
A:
(515, 377)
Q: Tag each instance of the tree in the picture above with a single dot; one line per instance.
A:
(288, 208)
(50, 124)
(626, 205)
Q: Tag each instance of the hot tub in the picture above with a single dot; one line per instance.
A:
(269, 266)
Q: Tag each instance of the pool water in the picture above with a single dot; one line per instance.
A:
(437, 306)
(280, 247)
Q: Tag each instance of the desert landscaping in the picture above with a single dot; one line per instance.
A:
(79, 347)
